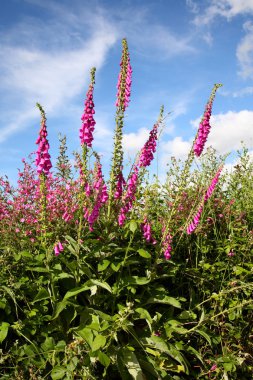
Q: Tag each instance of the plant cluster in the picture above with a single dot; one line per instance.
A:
(123, 278)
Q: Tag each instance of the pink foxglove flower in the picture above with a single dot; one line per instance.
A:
(119, 186)
(204, 126)
(147, 152)
(147, 232)
(43, 159)
(58, 248)
(124, 79)
(167, 248)
(214, 182)
(193, 225)
(129, 197)
(88, 122)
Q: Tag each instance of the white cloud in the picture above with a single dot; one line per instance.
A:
(224, 8)
(134, 141)
(52, 73)
(244, 52)
(239, 93)
(229, 130)
(177, 148)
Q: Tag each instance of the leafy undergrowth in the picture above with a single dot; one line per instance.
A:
(127, 279)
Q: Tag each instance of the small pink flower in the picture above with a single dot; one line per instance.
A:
(231, 253)
(58, 248)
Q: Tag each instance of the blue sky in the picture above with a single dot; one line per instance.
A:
(178, 50)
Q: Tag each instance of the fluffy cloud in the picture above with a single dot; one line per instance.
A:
(229, 130)
(134, 141)
(224, 8)
(32, 72)
(244, 52)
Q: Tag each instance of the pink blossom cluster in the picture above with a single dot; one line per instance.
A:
(203, 132)
(167, 247)
(147, 231)
(124, 83)
(88, 122)
(192, 226)
(101, 197)
(147, 152)
(129, 197)
(58, 248)
(214, 182)
(119, 185)
(43, 159)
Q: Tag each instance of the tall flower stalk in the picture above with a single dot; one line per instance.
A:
(196, 150)
(196, 219)
(122, 102)
(88, 122)
(43, 164)
(204, 126)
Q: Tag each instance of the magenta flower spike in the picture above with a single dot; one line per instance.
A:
(124, 79)
(204, 126)
(167, 248)
(58, 248)
(192, 226)
(43, 159)
(214, 182)
(129, 197)
(88, 122)
(147, 152)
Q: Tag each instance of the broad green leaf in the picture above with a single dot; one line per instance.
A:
(101, 284)
(103, 265)
(195, 352)
(99, 342)
(58, 373)
(48, 344)
(42, 295)
(144, 253)
(86, 334)
(132, 364)
(4, 327)
(116, 267)
(59, 308)
(73, 292)
(104, 359)
(133, 226)
(166, 300)
(205, 335)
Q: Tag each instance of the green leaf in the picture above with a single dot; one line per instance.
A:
(4, 327)
(132, 364)
(42, 295)
(144, 253)
(59, 308)
(48, 344)
(116, 267)
(196, 353)
(103, 265)
(104, 359)
(73, 292)
(101, 284)
(86, 334)
(58, 373)
(99, 342)
(205, 335)
(133, 226)
(165, 300)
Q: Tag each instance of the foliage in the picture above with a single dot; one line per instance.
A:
(112, 285)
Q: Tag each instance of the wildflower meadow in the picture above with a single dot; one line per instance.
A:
(126, 277)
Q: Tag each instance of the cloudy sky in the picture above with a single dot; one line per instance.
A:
(178, 50)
